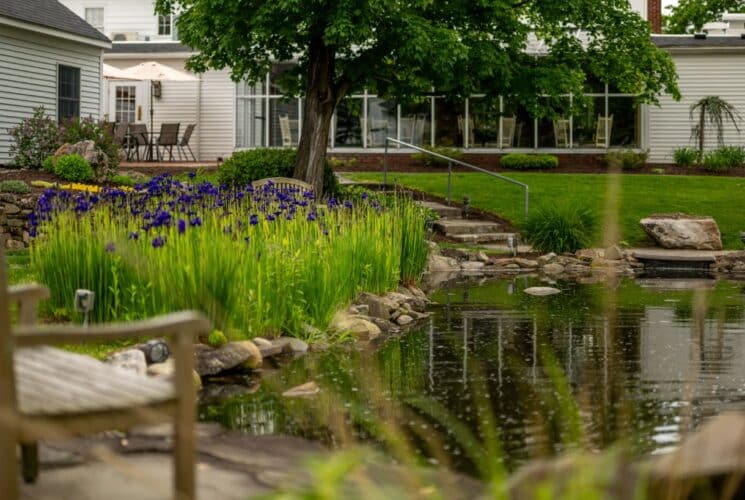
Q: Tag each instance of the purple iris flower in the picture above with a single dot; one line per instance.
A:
(253, 220)
(158, 242)
(134, 236)
(195, 222)
(181, 226)
(110, 247)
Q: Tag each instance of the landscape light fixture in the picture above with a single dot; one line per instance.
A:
(84, 303)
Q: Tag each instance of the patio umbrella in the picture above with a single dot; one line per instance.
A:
(155, 72)
(113, 73)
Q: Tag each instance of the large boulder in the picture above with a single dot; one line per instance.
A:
(681, 231)
(87, 149)
(243, 354)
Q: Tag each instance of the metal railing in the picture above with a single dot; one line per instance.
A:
(452, 161)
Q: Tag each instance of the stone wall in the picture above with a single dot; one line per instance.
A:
(14, 219)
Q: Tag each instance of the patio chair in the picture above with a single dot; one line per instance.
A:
(285, 127)
(601, 140)
(139, 137)
(508, 131)
(184, 142)
(120, 137)
(561, 133)
(49, 393)
(461, 122)
(167, 139)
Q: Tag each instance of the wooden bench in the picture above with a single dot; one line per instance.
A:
(283, 183)
(48, 393)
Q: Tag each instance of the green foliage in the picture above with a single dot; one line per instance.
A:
(712, 111)
(689, 16)
(560, 228)
(89, 129)
(217, 338)
(434, 161)
(122, 180)
(74, 168)
(686, 157)
(34, 139)
(48, 164)
(626, 159)
(724, 158)
(244, 167)
(14, 186)
(522, 161)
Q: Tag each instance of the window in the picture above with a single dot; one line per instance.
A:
(164, 25)
(250, 116)
(450, 123)
(125, 103)
(94, 17)
(68, 93)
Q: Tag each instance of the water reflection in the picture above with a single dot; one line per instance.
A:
(641, 372)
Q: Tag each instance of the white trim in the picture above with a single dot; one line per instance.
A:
(35, 28)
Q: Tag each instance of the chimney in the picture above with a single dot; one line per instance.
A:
(654, 15)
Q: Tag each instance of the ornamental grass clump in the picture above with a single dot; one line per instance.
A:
(259, 261)
(560, 229)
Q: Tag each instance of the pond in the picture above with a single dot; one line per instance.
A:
(632, 364)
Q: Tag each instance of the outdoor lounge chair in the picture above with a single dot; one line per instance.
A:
(601, 140)
(508, 131)
(461, 122)
(48, 393)
(561, 133)
(184, 142)
(139, 137)
(167, 139)
(285, 128)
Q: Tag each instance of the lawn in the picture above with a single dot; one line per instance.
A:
(721, 197)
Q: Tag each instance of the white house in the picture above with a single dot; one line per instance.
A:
(235, 116)
(48, 57)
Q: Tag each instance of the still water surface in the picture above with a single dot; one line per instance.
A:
(640, 369)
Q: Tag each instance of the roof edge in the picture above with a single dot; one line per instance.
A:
(57, 33)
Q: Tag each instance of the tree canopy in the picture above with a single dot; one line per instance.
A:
(689, 16)
(407, 48)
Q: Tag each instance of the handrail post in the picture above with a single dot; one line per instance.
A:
(527, 201)
(385, 163)
(450, 180)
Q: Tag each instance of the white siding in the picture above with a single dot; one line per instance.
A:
(701, 75)
(123, 16)
(217, 115)
(638, 5)
(29, 77)
(178, 104)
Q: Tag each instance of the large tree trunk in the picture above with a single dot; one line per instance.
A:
(320, 100)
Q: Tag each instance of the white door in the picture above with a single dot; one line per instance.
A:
(128, 101)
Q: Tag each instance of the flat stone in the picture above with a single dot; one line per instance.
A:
(297, 346)
(242, 354)
(682, 231)
(472, 265)
(541, 291)
(132, 360)
(404, 319)
(261, 342)
(361, 328)
(526, 263)
(440, 263)
(379, 307)
(302, 391)
(452, 227)
(674, 255)
(613, 253)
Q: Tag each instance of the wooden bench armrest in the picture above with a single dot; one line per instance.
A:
(182, 324)
(32, 291)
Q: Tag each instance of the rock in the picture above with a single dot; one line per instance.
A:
(297, 346)
(379, 307)
(11, 209)
(553, 269)
(578, 269)
(384, 325)
(546, 259)
(167, 369)
(683, 231)
(131, 360)
(541, 291)
(471, 265)
(243, 354)
(404, 319)
(482, 257)
(310, 331)
(442, 264)
(87, 149)
(302, 391)
(526, 263)
(262, 342)
(587, 254)
(418, 293)
(353, 310)
(613, 253)
(320, 346)
(14, 245)
(359, 327)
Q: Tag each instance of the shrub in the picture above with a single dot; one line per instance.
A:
(434, 161)
(685, 157)
(520, 161)
(14, 187)
(122, 180)
(48, 164)
(89, 129)
(34, 139)
(74, 168)
(244, 167)
(724, 158)
(626, 159)
(560, 229)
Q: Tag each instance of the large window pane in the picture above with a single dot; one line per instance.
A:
(415, 123)
(517, 127)
(450, 125)
(275, 77)
(348, 123)
(553, 130)
(68, 93)
(245, 89)
(250, 122)
(284, 120)
(484, 117)
(381, 121)
(624, 118)
(589, 124)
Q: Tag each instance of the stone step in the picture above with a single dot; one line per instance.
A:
(483, 237)
(443, 211)
(453, 227)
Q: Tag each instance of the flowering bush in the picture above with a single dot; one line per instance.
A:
(73, 168)
(34, 139)
(255, 261)
(90, 129)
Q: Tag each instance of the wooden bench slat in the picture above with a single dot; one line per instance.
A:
(55, 382)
